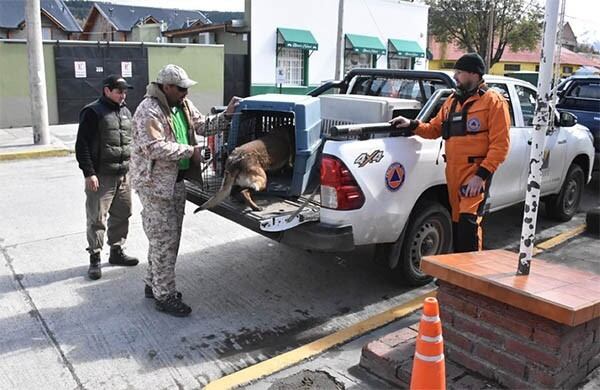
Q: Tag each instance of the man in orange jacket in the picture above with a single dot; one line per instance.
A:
(474, 121)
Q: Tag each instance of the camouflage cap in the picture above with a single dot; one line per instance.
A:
(174, 75)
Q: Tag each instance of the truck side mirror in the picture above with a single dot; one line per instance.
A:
(567, 119)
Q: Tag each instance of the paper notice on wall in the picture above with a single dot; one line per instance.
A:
(80, 70)
(126, 69)
(280, 75)
(99, 69)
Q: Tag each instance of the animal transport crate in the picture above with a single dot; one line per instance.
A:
(258, 115)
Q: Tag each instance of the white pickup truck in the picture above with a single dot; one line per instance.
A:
(355, 182)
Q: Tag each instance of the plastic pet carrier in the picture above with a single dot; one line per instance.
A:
(257, 116)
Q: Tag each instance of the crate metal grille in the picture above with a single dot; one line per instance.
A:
(252, 124)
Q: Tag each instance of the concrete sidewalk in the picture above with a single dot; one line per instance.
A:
(383, 358)
(17, 143)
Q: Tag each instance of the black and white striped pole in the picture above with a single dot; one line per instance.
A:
(543, 115)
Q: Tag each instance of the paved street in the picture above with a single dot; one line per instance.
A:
(252, 298)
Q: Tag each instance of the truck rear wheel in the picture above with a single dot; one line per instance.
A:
(562, 207)
(429, 233)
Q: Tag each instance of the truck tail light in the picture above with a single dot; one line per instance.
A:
(339, 189)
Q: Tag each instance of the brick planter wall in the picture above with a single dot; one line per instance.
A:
(514, 347)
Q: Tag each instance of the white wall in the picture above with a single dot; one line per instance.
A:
(387, 19)
(317, 16)
(382, 18)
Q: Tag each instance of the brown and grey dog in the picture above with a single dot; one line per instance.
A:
(248, 164)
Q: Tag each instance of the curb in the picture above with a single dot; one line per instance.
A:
(390, 358)
(559, 239)
(30, 154)
(288, 359)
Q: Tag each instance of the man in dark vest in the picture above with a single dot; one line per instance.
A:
(102, 150)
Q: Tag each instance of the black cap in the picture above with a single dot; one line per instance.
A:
(471, 62)
(116, 81)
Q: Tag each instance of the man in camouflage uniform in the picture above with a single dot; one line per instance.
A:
(164, 151)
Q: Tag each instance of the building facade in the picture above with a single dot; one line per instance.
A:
(113, 22)
(445, 55)
(293, 44)
(57, 21)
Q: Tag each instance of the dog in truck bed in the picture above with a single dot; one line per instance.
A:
(248, 164)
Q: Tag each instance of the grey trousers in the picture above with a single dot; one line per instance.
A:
(113, 198)
(162, 220)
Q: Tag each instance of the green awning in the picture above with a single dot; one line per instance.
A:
(296, 39)
(364, 44)
(405, 48)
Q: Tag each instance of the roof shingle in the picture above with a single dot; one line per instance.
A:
(12, 14)
(125, 17)
(220, 17)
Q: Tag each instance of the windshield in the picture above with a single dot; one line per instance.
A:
(420, 90)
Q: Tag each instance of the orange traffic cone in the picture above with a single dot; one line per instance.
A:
(429, 367)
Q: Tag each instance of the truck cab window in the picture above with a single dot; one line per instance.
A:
(527, 99)
(503, 90)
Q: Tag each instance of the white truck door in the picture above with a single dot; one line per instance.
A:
(556, 140)
(508, 182)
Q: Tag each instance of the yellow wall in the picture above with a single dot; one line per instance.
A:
(435, 65)
(498, 68)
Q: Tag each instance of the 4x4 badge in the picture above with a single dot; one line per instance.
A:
(367, 158)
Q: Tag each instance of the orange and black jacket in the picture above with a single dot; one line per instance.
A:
(486, 139)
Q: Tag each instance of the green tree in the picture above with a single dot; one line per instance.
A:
(516, 23)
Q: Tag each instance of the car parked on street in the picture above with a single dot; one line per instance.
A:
(580, 95)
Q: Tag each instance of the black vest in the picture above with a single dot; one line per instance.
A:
(114, 136)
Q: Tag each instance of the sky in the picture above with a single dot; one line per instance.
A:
(581, 14)
(205, 5)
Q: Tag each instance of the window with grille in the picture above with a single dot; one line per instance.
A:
(512, 67)
(292, 61)
(357, 60)
(400, 63)
(447, 65)
(567, 69)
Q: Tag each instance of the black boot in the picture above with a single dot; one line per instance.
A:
(118, 257)
(149, 294)
(173, 306)
(94, 272)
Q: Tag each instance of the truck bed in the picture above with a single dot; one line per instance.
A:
(233, 208)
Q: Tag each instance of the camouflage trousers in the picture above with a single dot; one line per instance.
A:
(162, 220)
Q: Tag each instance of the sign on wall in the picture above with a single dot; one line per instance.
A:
(126, 69)
(280, 77)
(80, 70)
